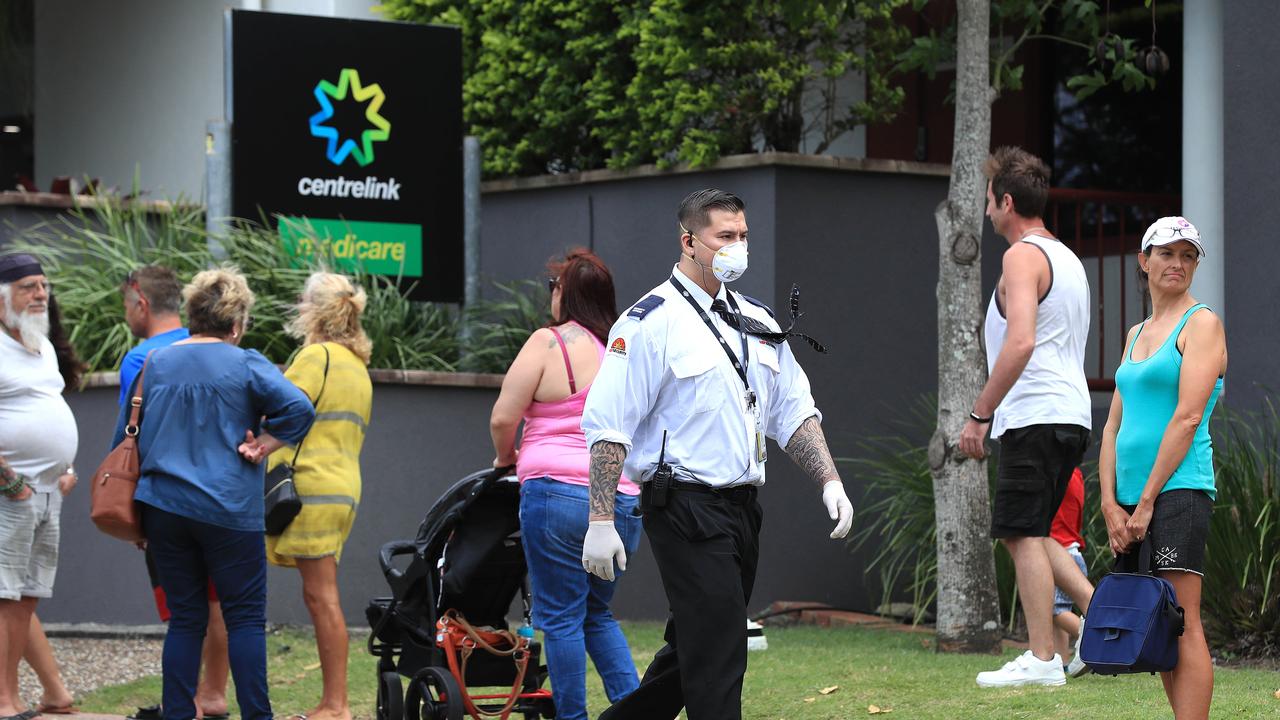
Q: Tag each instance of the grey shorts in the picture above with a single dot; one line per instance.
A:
(1062, 602)
(1179, 529)
(29, 533)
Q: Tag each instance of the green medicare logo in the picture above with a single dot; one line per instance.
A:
(382, 248)
(339, 151)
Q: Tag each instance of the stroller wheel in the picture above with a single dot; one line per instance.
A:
(390, 696)
(434, 694)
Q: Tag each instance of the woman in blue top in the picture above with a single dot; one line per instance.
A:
(211, 413)
(1156, 467)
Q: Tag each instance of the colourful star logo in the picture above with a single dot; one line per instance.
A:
(381, 130)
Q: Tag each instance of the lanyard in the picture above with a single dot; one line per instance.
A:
(724, 345)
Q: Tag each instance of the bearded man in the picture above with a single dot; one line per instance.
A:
(38, 440)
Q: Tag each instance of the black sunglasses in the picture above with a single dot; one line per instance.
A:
(552, 284)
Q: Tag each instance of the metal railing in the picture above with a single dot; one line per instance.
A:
(1104, 229)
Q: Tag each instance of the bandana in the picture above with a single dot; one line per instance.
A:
(16, 267)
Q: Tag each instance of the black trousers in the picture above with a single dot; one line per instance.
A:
(707, 546)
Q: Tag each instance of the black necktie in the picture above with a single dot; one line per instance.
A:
(755, 328)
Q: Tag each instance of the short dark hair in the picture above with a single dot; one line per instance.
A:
(695, 209)
(159, 285)
(1021, 175)
(586, 292)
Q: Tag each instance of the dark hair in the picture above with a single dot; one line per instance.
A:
(69, 364)
(586, 292)
(1021, 175)
(695, 209)
(159, 285)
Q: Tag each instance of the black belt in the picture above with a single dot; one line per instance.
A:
(737, 494)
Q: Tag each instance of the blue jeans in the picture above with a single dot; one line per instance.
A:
(187, 554)
(570, 605)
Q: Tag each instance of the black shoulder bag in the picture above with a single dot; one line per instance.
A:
(282, 502)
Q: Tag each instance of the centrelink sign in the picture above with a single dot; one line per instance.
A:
(347, 135)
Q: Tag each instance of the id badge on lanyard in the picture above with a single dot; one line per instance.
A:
(755, 428)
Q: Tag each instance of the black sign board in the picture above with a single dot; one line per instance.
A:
(347, 135)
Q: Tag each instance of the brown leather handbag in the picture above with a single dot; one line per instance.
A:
(111, 504)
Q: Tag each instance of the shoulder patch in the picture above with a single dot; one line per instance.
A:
(758, 303)
(642, 308)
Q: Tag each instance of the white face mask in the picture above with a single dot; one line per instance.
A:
(729, 262)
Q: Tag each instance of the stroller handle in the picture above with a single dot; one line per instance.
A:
(392, 550)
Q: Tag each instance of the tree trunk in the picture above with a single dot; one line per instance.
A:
(968, 606)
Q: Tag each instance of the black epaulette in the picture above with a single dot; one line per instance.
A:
(758, 303)
(642, 308)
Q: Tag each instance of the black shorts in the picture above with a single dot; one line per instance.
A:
(1035, 466)
(1179, 529)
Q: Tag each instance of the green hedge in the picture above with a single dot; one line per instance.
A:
(562, 85)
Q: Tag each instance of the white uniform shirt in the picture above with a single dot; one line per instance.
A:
(665, 370)
(38, 435)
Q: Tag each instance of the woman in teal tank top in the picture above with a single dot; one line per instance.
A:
(1156, 466)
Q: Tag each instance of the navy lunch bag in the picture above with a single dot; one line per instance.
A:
(1134, 620)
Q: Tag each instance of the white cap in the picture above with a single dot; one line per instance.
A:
(1170, 230)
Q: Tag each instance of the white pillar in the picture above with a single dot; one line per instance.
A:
(1202, 143)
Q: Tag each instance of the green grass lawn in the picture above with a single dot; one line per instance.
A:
(895, 671)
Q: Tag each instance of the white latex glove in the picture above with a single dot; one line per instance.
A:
(600, 548)
(838, 507)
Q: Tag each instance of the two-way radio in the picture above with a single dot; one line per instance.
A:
(662, 477)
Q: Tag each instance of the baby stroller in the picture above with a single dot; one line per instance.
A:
(444, 626)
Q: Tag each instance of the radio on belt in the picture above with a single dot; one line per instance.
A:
(662, 477)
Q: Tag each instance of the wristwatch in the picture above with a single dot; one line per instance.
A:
(979, 419)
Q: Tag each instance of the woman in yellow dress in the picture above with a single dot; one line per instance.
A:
(331, 368)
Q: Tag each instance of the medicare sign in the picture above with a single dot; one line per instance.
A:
(347, 137)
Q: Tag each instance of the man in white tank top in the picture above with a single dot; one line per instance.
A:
(1035, 400)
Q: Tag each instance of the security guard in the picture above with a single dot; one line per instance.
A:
(694, 378)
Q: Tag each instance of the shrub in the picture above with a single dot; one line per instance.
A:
(88, 253)
(1241, 592)
(581, 84)
(898, 512)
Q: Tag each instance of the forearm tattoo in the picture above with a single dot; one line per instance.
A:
(606, 469)
(808, 448)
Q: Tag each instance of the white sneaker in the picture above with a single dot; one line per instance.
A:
(1076, 667)
(755, 637)
(1026, 669)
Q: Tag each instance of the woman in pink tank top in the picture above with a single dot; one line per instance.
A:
(546, 387)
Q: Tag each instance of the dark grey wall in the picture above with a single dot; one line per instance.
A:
(863, 249)
(631, 225)
(14, 219)
(1251, 215)
(861, 245)
(422, 439)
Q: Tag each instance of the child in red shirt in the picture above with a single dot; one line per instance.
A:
(1067, 530)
